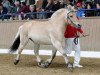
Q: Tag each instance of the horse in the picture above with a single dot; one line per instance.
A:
(49, 32)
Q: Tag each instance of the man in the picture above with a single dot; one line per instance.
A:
(72, 43)
(3, 12)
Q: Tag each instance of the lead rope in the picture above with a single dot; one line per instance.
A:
(76, 38)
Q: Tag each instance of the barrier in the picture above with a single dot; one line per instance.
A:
(8, 30)
(90, 9)
(20, 15)
(8, 15)
(86, 54)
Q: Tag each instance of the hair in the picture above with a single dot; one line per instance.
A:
(98, 3)
(89, 3)
(23, 3)
(15, 44)
(32, 6)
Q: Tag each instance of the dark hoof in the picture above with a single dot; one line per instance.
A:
(47, 64)
(16, 62)
(40, 64)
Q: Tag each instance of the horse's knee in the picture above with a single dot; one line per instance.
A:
(19, 51)
(62, 52)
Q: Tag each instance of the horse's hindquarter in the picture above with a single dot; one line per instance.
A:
(40, 31)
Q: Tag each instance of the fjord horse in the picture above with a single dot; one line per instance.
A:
(50, 32)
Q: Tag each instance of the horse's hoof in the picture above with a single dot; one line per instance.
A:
(41, 64)
(70, 67)
(16, 62)
(47, 64)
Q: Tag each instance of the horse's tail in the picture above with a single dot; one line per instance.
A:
(15, 44)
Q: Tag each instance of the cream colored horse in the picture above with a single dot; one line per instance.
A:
(49, 32)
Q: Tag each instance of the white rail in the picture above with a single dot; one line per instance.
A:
(87, 54)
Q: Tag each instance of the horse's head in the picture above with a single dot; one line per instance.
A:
(65, 16)
(71, 18)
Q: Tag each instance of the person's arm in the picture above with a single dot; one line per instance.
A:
(80, 31)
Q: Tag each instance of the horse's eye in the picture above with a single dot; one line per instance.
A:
(71, 16)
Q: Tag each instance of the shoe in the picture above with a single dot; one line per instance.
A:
(77, 65)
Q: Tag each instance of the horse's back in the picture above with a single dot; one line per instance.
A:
(34, 24)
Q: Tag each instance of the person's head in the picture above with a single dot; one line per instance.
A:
(61, 1)
(98, 5)
(56, 1)
(50, 1)
(83, 5)
(17, 3)
(1, 6)
(31, 8)
(79, 5)
(88, 5)
(23, 4)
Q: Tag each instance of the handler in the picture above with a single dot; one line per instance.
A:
(72, 43)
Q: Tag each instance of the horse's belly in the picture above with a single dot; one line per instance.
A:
(41, 39)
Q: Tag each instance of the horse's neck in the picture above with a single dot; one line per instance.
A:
(58, 18)
(58, 22)
(58, 25)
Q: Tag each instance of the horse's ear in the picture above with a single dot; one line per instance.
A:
(72, 8)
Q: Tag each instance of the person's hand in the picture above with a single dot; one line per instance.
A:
(84, 35)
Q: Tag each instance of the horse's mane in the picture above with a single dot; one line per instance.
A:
(58, 12)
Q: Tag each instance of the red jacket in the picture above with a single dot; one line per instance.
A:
(71, 31)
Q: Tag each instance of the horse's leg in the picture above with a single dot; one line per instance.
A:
(40, 62)
(49, 61)
(23, 42)
(36, 51)
(58, 46)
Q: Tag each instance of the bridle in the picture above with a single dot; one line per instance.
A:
(69, 18)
